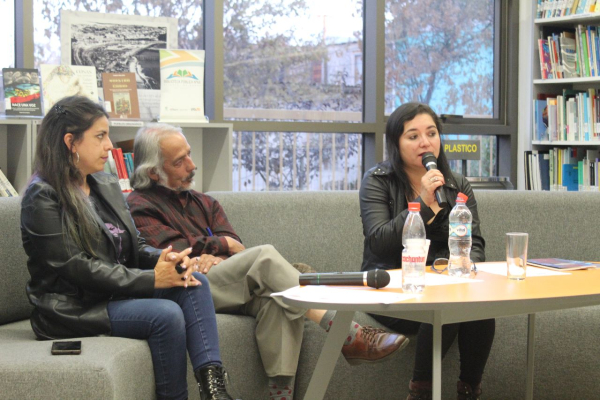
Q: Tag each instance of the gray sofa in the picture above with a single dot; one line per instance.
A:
(324, 229)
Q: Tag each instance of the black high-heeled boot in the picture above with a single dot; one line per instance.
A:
(211, 381)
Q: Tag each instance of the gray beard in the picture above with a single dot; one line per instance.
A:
(177, 189)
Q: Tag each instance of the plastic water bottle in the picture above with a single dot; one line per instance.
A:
(459, 238)
(413, 255)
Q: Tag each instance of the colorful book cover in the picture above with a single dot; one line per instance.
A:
(120, 95)
(541, 119)
(59, 81)
(545, 63)
(561, 264)
(22, 91)
(570, 177)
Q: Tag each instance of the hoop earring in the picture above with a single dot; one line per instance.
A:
(77, 161)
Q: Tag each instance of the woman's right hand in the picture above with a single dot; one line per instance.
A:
(165, 274)
(432, 180)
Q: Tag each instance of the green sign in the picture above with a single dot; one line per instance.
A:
(462, 149)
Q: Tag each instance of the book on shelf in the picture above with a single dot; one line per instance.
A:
(568, 51)
(561, 264)
(544, 169)
(570, 177)
(120, 95)
(59, 81)
(545, 63)
(541, 119)
(6, 188)
(22, 91)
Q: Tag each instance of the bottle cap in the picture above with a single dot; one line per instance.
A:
(462, 198)
(414, 206)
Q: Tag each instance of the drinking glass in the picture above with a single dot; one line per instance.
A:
(516, 255)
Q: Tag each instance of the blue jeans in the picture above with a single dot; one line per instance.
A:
(175, 319)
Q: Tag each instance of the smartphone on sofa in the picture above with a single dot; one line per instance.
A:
(66, 347)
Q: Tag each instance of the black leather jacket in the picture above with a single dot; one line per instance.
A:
(69, 288)
(384, 210)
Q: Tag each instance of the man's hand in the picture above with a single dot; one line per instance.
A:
(234, 246)
(205, 262)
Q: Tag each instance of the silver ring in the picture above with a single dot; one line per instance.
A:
(434, 179)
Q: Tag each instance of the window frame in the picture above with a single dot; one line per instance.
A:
(503, 125)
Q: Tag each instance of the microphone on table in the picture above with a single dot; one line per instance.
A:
(375, 278)
(430, 162)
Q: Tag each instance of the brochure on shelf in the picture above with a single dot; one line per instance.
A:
(182, 72)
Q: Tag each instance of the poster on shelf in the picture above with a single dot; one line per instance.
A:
(60, 81)
(120, 43)
(22, 92)
(182, 72)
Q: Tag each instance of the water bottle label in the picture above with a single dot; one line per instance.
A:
(408, 258)
(460, 230)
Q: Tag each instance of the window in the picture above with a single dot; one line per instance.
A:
(443, 57)
(7, 33)
(47, 23)
(296, 161)
(293, 60)
(455, 57)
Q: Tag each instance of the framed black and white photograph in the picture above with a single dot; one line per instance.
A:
(117, 43)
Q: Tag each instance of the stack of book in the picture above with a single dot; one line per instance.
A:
(562, 8)
(571, 116)
(569, 53)
(572, 168)
(120, 164)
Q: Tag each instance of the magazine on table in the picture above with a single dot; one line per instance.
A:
(561, 264)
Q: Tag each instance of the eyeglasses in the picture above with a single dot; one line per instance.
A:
(441, 264)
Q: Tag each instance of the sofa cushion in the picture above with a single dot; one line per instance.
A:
(107, 368)
(14, 305)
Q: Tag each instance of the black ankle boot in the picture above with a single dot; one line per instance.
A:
(211, 381)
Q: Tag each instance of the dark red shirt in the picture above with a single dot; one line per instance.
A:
(182, 219)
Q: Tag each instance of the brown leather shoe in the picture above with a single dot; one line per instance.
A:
(373, 345)
(419, 390)
(465, 392)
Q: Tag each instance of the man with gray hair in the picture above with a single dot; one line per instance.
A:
(167, 211)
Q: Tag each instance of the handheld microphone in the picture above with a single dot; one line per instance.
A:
(430, 162)
(376, 278)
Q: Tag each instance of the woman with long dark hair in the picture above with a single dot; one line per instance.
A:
(91, 273)
(412, 130)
